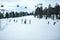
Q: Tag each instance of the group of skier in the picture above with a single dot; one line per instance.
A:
(22, 21)
(25, 21)
(53, 23)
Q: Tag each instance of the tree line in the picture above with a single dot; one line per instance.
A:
(13, 14)
(49, 12)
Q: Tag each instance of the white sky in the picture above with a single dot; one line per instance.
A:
(11, 4)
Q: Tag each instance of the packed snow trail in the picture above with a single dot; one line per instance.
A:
(39, 29)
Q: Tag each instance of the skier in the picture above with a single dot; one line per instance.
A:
(54, 23)
(48, 22)
(25, 21)
(14, 20)
(22, 20)
(29, 21)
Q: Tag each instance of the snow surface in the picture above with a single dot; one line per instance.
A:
(39, 29)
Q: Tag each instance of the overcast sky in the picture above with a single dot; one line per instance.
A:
(11, 4)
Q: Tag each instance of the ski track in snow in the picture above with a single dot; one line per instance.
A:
(39, 29)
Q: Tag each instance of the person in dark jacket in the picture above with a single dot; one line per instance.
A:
(54, 23)
(48, 22)
(14, 20)
(25, 21)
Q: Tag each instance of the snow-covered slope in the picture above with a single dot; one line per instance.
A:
(39, 29)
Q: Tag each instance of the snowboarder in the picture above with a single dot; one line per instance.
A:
(25, 21)
(29, 21)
